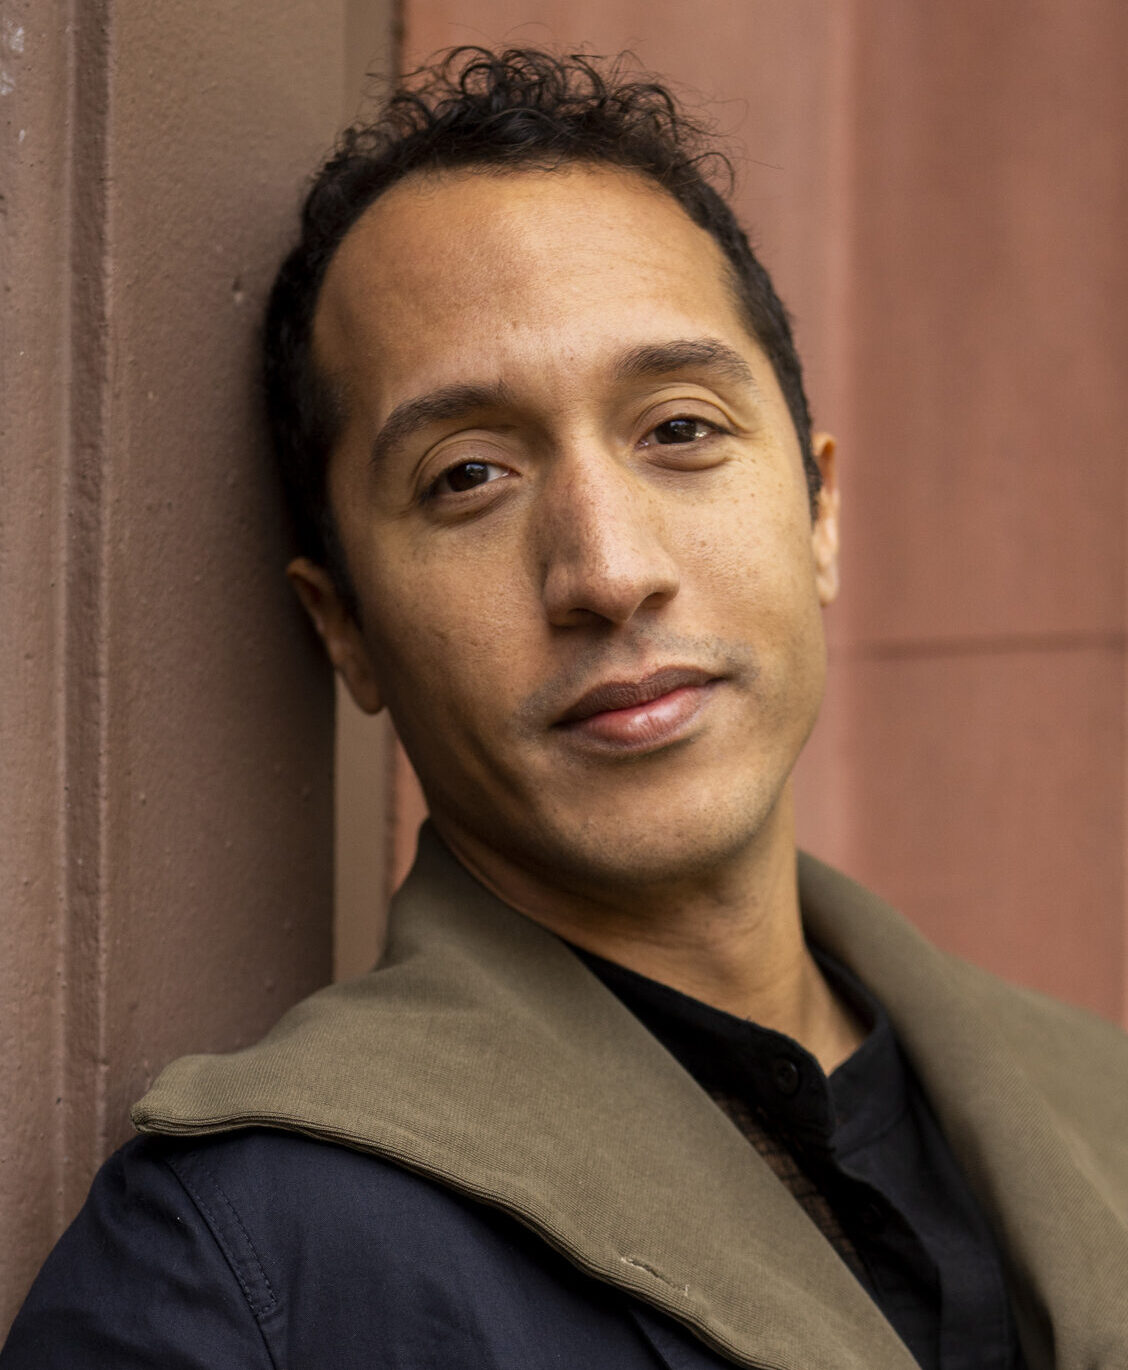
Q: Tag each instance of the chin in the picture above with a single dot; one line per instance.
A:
(661, 845)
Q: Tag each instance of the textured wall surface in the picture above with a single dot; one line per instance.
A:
(982, 680)
(939, 191)
(165, 716)
(34, 446)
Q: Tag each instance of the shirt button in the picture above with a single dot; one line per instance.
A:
(787, 1077)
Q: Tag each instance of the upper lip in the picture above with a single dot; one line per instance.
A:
(626, 694)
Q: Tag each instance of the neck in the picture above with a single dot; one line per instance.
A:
(734, 940)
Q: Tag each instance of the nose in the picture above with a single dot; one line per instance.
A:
(604, 544)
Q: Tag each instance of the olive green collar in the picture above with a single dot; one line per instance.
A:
(484, 1054)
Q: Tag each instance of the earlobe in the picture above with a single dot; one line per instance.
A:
(338, 630)
(824, 535)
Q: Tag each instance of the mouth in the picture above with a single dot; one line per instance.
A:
(638, 715)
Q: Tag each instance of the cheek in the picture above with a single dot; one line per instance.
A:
(441, 637)
(756, 582)
(756, 554)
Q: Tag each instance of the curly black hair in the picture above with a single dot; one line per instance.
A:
(516, 109)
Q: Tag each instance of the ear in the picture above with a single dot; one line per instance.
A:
(824, 534)
(338, 630)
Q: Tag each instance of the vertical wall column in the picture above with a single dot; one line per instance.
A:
(165, 714)
(34, 451)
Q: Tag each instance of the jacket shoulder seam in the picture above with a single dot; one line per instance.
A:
(231, 1236)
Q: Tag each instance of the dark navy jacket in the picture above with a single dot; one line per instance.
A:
(269, 1251)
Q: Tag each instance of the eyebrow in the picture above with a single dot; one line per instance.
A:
(439, 406)
(688, 354)
(709, 355)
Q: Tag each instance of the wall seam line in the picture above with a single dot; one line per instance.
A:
(84, 630)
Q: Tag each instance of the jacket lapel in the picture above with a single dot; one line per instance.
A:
(1033, 1098)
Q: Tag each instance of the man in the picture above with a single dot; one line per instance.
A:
(631, 1088)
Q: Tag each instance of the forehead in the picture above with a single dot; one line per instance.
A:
(462, 270)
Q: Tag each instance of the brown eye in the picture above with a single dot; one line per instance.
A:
(463, 477)
(681, 430)
(466, 476)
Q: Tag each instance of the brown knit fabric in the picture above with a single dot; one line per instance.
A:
(787, 1169)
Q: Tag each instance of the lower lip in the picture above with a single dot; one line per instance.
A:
(644, 726)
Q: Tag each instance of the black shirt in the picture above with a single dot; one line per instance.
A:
(864, 1155)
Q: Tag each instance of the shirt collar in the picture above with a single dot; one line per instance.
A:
(771, 1072)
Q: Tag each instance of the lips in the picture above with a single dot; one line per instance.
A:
(619, 695)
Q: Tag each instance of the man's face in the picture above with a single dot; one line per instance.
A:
(567, 468)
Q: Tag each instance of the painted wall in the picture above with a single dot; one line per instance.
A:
(165, 717)
(939, 191)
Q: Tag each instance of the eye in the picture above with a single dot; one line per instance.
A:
(682, 430)
(466, 475)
